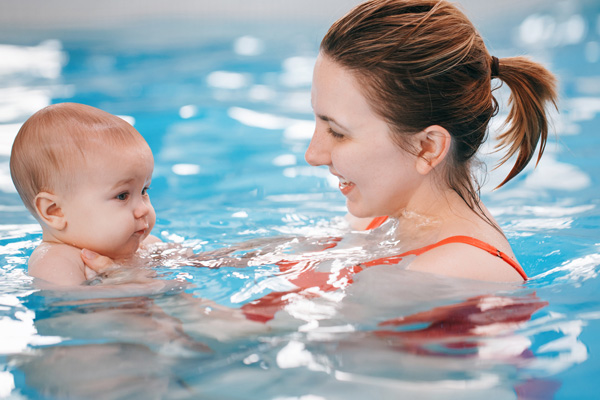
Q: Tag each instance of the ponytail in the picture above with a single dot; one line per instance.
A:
(532, 87)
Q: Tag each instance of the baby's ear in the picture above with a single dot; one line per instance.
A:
(47, 206)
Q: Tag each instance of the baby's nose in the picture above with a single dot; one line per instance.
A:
(142, 209)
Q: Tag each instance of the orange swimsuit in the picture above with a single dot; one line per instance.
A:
(304, 276)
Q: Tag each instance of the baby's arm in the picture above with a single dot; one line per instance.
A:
(59, 264)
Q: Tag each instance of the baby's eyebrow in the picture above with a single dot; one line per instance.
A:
(122, 182)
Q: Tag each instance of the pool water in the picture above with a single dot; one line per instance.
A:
(227, 114)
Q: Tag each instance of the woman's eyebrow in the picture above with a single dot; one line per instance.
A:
(329, 119)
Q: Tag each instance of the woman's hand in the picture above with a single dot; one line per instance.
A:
(96, 264)
(107, 271)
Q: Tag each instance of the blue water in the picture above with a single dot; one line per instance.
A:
(227, 115)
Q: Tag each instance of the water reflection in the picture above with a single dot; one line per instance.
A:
(227, 80)
(545, 30)
(30, 62)
(297, 71)
(27, 77)
(248, 46)
(584, 108)
(575, 271)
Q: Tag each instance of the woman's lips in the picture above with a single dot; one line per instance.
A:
(345, 186)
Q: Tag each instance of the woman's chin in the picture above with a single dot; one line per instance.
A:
(357, 206)
(359, 212)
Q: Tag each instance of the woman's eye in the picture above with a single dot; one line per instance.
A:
(122, 196)
(335, 134)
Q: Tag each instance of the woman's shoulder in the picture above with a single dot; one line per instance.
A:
(471, 258)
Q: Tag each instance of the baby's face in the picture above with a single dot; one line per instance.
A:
(108, 210)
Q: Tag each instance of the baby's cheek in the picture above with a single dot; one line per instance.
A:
(151, 221)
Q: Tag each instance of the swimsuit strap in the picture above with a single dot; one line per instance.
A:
(377, 222)
(453, 239)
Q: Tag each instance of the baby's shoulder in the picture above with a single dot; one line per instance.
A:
(57, 263)
(47, 250)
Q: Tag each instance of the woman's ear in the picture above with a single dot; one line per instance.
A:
(433, 144)
(47, 206)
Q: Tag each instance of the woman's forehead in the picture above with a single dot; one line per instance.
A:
(336, 95)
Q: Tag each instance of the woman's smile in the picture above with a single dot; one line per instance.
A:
(345, 186)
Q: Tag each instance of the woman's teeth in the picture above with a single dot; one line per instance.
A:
(344, 183)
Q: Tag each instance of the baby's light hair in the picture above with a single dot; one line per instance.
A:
(52, 145)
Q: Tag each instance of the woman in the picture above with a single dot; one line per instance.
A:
(403, 99)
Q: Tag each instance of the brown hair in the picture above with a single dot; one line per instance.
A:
(423, 63)
(53, 143)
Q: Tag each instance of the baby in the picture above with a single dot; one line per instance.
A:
(84, 174)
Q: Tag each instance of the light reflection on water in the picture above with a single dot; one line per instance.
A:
(228, 121)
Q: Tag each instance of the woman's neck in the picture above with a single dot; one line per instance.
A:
(439, 213)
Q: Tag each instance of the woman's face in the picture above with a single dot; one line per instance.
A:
(376, 175)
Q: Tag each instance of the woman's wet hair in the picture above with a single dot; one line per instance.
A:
(422, 63)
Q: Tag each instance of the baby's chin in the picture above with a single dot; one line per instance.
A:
(120, 254)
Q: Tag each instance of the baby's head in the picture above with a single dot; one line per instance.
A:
(83, 173)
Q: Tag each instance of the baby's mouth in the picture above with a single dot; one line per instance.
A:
(142, 231)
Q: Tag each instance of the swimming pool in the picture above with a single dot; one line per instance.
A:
(227, 114)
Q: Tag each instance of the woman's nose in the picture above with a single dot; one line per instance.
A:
(318, 152)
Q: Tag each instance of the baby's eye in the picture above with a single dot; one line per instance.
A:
(145, 190)
(122, 196)
(335, 134)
